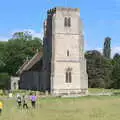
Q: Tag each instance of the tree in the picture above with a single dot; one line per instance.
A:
(17, 49)
(2, 65)
(26, 35)
(107, 48)
(99, 70)
(4, 81)
(116, 71)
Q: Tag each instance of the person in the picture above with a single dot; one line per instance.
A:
(25, 102)
(1, 107)
(33, 100)
(19, 100)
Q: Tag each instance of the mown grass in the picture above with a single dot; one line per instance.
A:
(83, 108)
(100, 90)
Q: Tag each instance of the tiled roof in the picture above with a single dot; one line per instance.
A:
(28, 64)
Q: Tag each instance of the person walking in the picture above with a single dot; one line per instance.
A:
(24, 100)
(33, 98)
(19, 100)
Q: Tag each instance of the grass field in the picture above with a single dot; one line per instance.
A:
(84, 108)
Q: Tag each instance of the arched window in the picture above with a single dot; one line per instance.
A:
(68, 76)
(65, 22)
(69, 22)
(68, 54)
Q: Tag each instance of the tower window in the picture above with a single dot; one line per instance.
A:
(68, 54)
(68, 75)
(67, 22)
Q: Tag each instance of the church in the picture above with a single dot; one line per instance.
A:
(60, 67)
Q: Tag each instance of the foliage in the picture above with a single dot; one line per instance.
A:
(2, 64)
(4, 81)
(14, 52)
(26, 35)
(116, 71)
(107, 47)
(20, 47)
(99, 70)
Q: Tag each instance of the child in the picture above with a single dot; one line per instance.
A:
(1, 107)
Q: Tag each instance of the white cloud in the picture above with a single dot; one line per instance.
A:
(4, 38)
(33, 32)
(114, 50)
(36, 34)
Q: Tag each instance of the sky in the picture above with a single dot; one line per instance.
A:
(101, 18)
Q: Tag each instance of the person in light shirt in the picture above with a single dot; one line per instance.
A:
(33, 99)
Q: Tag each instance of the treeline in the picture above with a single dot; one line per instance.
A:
(103, 71)
(14, 52)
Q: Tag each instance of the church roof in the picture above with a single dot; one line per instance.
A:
(30, 63)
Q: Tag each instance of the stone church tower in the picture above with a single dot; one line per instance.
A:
(64, 64)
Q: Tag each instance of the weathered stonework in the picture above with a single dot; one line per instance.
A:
(58, 39)
(61, 68)
(14, 83)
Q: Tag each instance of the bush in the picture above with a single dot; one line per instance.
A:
(1, 93)
(4, 81)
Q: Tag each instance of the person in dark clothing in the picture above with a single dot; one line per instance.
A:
(19, 101)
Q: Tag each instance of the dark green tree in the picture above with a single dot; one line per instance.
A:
(116, 71)
(2, 63)
(4, 81)
(99, 70)
(18, 49)
(107, 48)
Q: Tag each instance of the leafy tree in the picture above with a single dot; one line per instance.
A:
(26, 35)
(99, 70)
(116, 71)
(2, 65)
(17, 49)
(4, 81)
